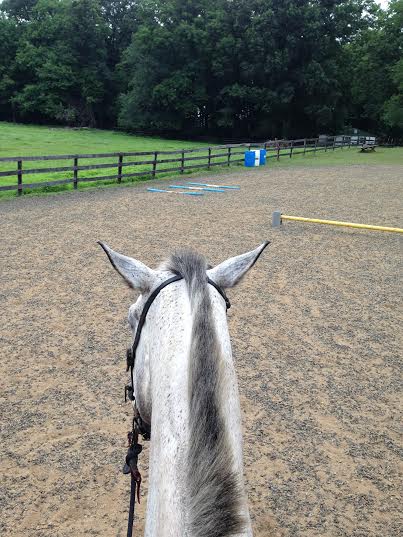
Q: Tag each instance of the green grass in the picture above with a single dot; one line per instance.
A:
(26, 140)
(343, 157)
(30, 140)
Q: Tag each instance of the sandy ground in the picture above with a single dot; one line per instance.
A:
(316, 331)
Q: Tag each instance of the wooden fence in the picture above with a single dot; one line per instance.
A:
(220, 155)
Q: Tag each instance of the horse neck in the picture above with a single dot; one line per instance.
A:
(179, 493)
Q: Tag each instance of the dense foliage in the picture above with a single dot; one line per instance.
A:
(228, 68)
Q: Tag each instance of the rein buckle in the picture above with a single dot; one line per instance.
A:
(129, 393)
(131, 461)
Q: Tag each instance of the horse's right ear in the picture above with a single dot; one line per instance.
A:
(230, 272)
(135, 273)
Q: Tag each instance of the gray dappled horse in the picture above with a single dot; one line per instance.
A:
(186, 390)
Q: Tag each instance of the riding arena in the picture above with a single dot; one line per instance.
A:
(315, 332)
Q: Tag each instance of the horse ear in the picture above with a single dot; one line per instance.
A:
(135, 273)
(230, 272)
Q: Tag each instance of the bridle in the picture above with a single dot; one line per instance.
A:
(143, 428)
(139, 426)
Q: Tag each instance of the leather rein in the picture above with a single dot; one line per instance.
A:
(139, 426)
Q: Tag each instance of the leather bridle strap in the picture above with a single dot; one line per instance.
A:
(222, 293)
(131, 351)
(147, 306)
(131, 355)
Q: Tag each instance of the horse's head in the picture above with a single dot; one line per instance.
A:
(183, 372)
(145, 280)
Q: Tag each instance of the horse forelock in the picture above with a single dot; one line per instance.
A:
(213, 488)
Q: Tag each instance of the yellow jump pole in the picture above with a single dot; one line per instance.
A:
(278, 218)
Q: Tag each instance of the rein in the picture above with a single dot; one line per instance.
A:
(139, 426)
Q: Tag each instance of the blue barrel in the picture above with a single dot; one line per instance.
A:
(262, 159)
(249, 158)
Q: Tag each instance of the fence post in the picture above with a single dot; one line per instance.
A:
(19, 177)
(334, 143)
(229, 156)
(120, 168)
(304, 146)
(209, 157)
(291, 148)
(349, 142)
(182, 161)
(316, 145)
(278, 150)
(75, 173)
(326, 145)
(155, 163)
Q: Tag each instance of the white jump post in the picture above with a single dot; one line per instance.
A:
(276, 220)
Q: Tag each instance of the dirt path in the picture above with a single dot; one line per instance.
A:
(316, 331)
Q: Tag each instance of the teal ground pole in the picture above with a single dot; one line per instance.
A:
(201, 188)
(173, 192)
(215, 186)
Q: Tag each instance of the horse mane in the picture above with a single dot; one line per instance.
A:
(213, 488)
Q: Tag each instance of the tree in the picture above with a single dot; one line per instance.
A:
(62, 59)
(21, 10)
(121, 19)
(376, 74)
(228, 68)
(8, 47)
(393, 107)
(232, 68)
(166, 86)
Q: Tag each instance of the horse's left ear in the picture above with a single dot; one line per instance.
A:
(230, 272)
(136, 274)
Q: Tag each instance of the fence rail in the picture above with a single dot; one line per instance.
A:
(227, 153)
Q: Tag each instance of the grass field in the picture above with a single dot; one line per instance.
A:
(30, 140)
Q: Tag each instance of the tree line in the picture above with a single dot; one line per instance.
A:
(222, 68)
